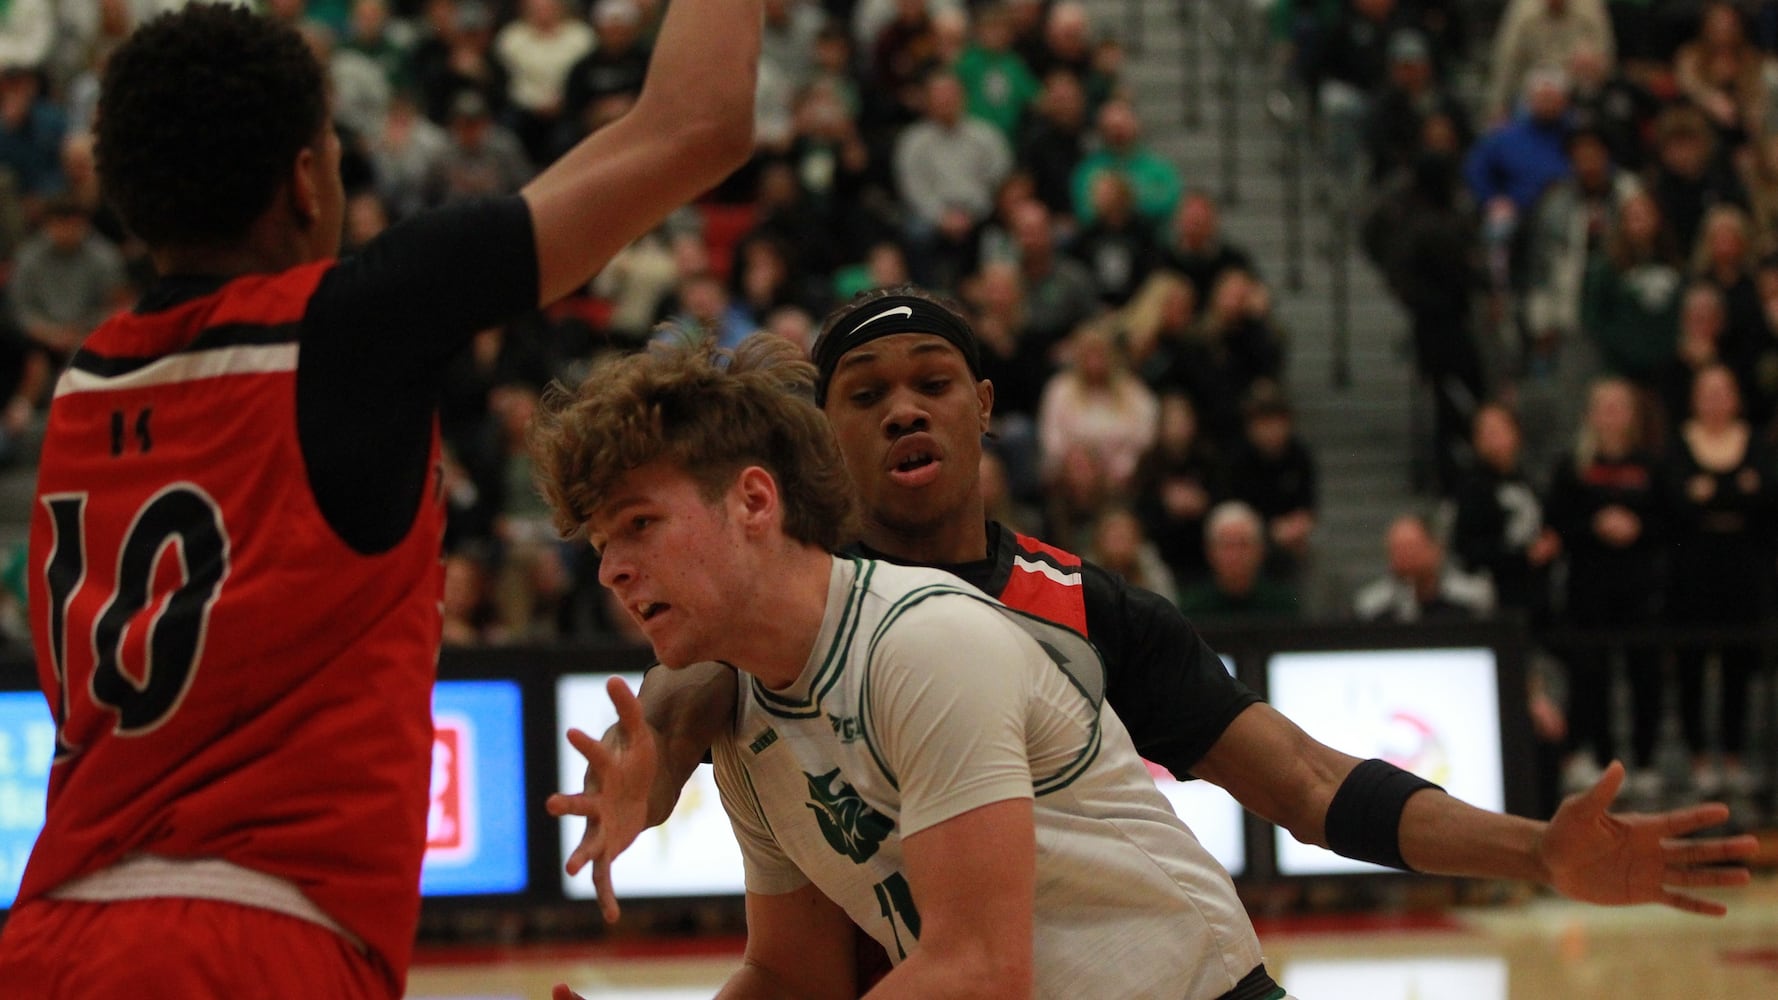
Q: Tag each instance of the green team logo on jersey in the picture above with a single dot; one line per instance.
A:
(851, 827)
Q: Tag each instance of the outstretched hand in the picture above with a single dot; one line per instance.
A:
(562, 992)
(1618, 858)
(620, 770)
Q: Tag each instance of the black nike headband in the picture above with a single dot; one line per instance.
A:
(889, 315)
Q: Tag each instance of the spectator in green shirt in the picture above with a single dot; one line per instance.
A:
(997, 84)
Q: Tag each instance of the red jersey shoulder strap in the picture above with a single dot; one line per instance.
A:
(1045, 581)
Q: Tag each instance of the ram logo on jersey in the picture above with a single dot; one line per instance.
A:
(851, 827)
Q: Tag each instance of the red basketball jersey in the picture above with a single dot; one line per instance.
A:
(229, 678)
(1045, 581)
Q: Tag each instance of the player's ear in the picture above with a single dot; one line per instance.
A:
(984, 396)
(305, 192)
(755, 494)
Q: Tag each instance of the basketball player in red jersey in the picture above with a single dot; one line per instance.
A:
(900, 384)
(235, 547)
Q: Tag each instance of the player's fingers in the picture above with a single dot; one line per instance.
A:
(602, 884)
(1598, 798)
(590, 849)
(562, 992)
(629, 709)
(1680, 822)
(1712, 877)
(1711, 851)
(598, 758)
(1692, 904)
(570, 804)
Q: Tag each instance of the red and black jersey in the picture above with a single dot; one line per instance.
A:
(235, 573)
(1167, 686)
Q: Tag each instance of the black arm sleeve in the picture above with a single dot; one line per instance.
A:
(1162, 679)
(375, 341)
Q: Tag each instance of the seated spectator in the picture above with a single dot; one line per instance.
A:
(1177, 482)
(65, 280)
(1631, 300)
(1689, 177)
(606, 81)
(999, 87)
(538, 48)
(1153, 178)
(1725, 258)
(1054, 140)
(1535, 33)
(706, 313)
(1238, 586)
(1059, 291)
(373, 33)
(1349, 66)
(762, 280)
(1018, 365)
(1399, 109)
(1273, 471)
(1120, 546)
(1094, 404)
(532, 575)
(404, 153)
(1603, 98)
(1498, 527)
(1117, 246)
(32, 128)
(1724, 74)
(788, 39)
(900, 54)
(794, 324)
(786, 216)
(1568, 230)
(1509, 167)
(480, 159)
(1703, 323)
(1231, 350)
(1069, 44)
(359, 91)
(1196, 248)
(947, 169)
(469, 617)
(459, 56)
(837, 175)
(1419, 585)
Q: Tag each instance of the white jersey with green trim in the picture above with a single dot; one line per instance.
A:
(925, 698)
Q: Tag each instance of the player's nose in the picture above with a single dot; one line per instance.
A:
(907, 411)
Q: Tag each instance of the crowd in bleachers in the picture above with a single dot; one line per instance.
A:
(1586, 249)
(1583, 236)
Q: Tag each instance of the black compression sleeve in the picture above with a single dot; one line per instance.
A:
(376, 337)
(1364, 819)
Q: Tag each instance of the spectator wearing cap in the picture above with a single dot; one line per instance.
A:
(1536, 33)
(481, 159)
(1421, 585)
(1350, 67)
(1411, 94)
(538, 49)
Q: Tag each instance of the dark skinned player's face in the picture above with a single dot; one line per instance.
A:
(910, 419)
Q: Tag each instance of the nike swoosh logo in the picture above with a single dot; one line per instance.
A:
(897, 311)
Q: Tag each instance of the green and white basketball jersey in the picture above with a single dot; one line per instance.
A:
(923, 699)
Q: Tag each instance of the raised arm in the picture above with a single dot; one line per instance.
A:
(691, 126)
(1584, 851)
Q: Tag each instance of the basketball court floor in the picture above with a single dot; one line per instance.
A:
(1534, 948)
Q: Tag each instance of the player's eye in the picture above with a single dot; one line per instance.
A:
(865, 397)
(935, 386)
